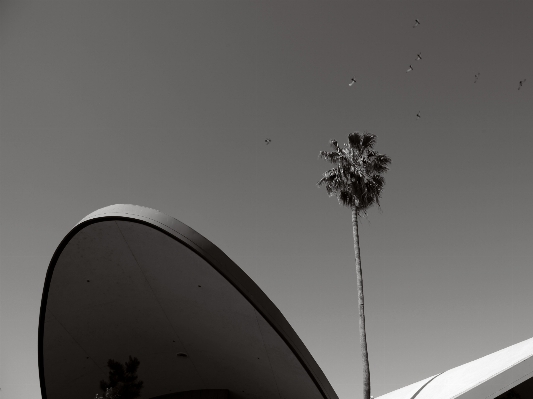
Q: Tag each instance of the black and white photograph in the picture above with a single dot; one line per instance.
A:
(266, 199)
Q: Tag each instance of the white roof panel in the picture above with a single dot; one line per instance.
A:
(484, 378)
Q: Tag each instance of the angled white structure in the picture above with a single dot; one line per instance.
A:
(488, 377)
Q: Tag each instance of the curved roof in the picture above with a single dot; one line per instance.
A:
(484, 378)
(129, 280)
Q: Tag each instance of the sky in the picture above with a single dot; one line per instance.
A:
(167, 104)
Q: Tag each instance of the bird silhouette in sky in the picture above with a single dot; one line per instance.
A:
(476, 77)
(268, 141)
(417, 22)
(521, 83)
(418, 115)
(418, 56)
(410, 68)
(352, 82)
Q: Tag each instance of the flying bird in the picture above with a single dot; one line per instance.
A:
(417, 22)
(410, 68)
(418, 56)
(476, 77)
(268, 141)
(352, 82)
(521, 83)
(418, 115)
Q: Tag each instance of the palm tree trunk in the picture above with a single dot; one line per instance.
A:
(362, 331)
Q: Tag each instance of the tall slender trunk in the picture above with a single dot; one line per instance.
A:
(362, 331)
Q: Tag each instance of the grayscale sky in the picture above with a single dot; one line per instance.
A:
(167, 104)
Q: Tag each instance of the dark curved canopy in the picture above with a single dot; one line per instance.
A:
(131, 281)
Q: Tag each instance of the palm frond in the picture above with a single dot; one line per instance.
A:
(328, 176)
(354, 141)
(368, 141)
(332, 180)
(334, 144)
(379, 163)
(329, 156)
(345, 198)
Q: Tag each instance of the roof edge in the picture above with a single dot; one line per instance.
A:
(212, 255)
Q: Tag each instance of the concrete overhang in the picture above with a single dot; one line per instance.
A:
(485, 378)
(129, 280)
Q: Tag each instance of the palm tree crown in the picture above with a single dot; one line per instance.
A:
(357, 179)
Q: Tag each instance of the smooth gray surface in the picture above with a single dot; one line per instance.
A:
(132, 281)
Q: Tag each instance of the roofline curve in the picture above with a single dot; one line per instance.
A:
(215, 257)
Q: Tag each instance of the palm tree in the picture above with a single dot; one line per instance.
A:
(122, 380)
(357, 182)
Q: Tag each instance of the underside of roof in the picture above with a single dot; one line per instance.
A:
(131, 281)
